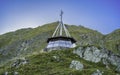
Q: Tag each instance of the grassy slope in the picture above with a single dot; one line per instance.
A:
(45, 64)
(11, 44)
(27, 34)
(113, 41)
(40, 63)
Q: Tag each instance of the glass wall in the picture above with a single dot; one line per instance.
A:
(59, 43)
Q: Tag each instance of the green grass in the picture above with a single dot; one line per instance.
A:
(45, 64)
(39, 64)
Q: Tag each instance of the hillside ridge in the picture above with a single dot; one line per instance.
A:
(30, 41)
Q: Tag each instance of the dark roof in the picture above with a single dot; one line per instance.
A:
(61, 38)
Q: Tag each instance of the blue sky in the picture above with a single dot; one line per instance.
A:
(100, 15)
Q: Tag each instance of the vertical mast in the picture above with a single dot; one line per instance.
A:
(61, 15)
(61, 30)
(61, 23)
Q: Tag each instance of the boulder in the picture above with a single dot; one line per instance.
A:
(90, 53)
(76, 65)
(93, 54)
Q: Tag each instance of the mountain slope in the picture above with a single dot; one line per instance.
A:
(30, 42)
(26, 41)
(56, 63)
(113, 41)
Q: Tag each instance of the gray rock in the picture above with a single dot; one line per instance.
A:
(97, 72)
(57, 58)
(76, 65)
(90, 53)
(79, 51)
(15, 73)
(24, 61)
(105, 62)
(19, 62)
(118, 68)
(93, 54)
(6, 73)
(114, 59)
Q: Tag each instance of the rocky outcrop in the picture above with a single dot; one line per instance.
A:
(19, 62)
(16, 64)
(118, 68)
(93, 54)
(90, 53)
(76, 65)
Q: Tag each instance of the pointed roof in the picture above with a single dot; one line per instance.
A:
(61, 32)
(61, 29)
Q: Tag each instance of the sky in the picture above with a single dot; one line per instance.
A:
(100, 15)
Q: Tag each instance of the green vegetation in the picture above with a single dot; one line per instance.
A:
(46, 64)
(113, 41)
(30, 41)
(27, 41)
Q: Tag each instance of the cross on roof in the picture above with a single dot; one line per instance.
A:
(61, 30)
